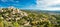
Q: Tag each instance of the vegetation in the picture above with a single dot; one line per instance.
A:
(13, 17)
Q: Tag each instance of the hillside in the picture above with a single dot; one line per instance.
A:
(13, 17)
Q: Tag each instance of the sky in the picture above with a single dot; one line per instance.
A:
(49, 4)
(32, 4)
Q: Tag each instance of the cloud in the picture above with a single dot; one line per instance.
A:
(48, 4)
(57, 5)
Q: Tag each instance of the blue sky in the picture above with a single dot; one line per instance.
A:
(18, 3)
(32, 4)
